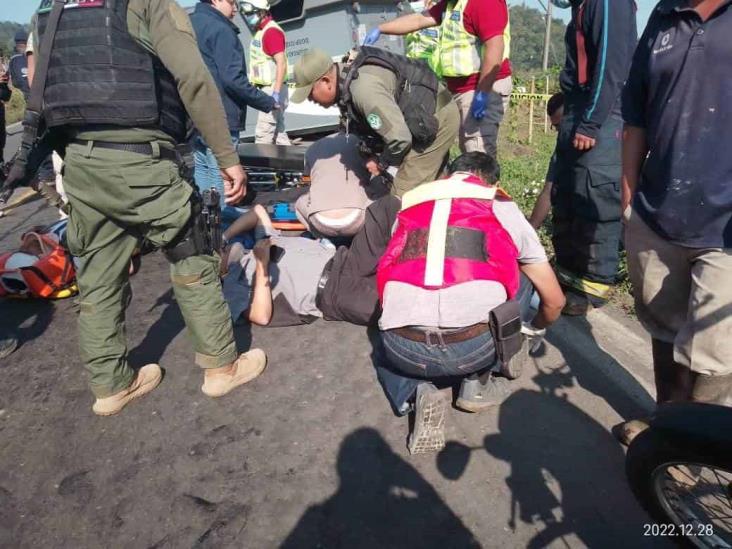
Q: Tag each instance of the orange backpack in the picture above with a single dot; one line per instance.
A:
(41, 268)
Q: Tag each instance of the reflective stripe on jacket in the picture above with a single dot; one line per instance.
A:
(461, 53)
(262, 67)
(447, 234)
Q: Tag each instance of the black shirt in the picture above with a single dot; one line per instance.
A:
(680, 91)
(18, 69)
(610, 34)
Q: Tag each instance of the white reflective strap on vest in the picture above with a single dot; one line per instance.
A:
(262, 67)
(453, 187)
(442, 193)
(437, 241)
(461, 53)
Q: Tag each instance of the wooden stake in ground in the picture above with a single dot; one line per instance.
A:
(531, 110)
(546, 102)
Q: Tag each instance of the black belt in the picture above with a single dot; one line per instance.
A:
(139, 148)
(437, 336)
(325, 275)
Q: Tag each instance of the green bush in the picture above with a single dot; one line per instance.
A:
(14, 108)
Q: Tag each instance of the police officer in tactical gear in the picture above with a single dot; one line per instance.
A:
(120, 124)
(404, 116)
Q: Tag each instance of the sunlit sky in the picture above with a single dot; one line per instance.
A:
(21, 10)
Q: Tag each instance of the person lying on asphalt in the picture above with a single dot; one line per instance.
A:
(305, 279)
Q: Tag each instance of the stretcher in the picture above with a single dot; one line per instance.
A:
(273, 167)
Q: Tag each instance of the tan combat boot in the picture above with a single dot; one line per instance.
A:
(147, 378)
(248, 366)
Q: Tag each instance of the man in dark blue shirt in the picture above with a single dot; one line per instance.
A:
(221, 49)
(586, 193)
(4, 96)
(677, 195)
(18, 67)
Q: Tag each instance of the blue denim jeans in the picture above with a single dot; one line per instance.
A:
(207, 174)
(402, 364)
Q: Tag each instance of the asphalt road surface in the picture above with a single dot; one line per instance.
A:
(309, 454)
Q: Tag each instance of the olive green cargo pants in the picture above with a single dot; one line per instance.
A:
(116, 199)
(424, 167)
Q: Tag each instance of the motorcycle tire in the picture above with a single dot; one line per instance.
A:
(647, 458)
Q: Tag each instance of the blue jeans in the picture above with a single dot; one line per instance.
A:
(207, 174)
(402, 364)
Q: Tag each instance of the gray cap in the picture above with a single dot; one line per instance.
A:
(309, 68)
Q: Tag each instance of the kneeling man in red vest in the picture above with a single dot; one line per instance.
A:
(456, 285)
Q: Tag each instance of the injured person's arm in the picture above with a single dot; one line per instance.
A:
(260, 308)
(255, 218)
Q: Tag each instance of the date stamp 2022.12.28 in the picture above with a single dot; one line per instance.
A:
(678, 530)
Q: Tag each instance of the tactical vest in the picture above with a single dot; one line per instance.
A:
(262, 67)
(99, 74)
(461, 53)
(448, 234)
(416, 95)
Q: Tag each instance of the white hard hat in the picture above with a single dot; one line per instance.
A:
(251, 5)
(12, 280)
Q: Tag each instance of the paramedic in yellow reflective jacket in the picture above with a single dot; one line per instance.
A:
(267, 69)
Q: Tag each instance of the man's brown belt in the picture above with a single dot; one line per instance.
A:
(431, 337)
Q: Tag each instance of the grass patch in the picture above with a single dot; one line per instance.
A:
(14, 108)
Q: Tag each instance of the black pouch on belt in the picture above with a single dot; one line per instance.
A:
(184, 160)
(506, 329)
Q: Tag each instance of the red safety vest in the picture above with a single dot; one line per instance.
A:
(447, 234)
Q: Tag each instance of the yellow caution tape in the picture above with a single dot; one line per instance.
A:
(540, 96)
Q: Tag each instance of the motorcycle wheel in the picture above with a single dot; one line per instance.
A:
(686, 489)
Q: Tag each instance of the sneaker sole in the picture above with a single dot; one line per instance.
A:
(429, 425)
(142, 391)
(474, 407)
(254, 375)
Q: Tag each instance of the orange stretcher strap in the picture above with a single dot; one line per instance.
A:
(288, 226)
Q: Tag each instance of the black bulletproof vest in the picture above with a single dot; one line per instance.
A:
(98, 73)
(416, 96)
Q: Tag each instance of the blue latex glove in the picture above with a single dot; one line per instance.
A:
(276, 97)
(480, 105)
(372, 37)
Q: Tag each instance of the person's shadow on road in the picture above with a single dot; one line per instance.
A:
(567, 472)
(382, 501)
(587, 362)
(167, 327)
(26, 319)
